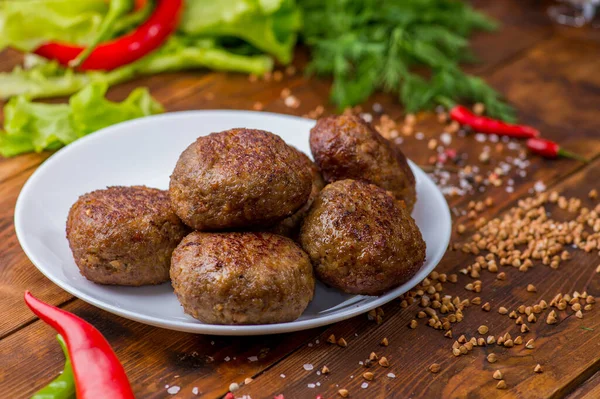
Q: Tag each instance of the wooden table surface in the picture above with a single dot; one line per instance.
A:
(550, 73)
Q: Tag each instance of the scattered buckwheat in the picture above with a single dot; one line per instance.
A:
(530, 344)
(435, 368)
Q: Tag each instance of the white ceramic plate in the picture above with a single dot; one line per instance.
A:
(144, 151)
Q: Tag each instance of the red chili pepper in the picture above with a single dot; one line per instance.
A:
(550, 149)
(126, 49)
(487, 125)
(98, 372)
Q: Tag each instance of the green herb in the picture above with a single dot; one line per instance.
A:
(587, 328)
(31, 126)
(411, 48)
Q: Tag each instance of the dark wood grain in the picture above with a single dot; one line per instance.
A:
(588, 390)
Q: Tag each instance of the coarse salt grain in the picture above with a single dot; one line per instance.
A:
(310, 345)
(291, 101)
(391, 375)
(174, 389)
(367, 117)
(419, 136)
(364, 385)
(282, 375)
(311, 386)
(480, 137)
(539, 186)
(318, 372)
(212, 342)
(318, 384)
(195, 390)
(227, 359)
(446, 138)
(514, 146)
(308, 367)
(377, 108)
(253, 358)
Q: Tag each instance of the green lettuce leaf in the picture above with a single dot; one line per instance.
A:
(25, 25)
(269, 25)
(31, 126)
(47, 79)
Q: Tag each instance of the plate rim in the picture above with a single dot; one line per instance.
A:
(191, 326)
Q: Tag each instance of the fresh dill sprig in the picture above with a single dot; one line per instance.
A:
(411, 48)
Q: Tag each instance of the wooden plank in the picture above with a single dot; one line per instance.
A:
(523, 24)
(17, 273)
(553, 88)
(411, 352)
(588, 390)
(153, 357)
(10, 167)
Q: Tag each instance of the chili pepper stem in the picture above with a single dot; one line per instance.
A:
(116, 9)
(572, 155)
